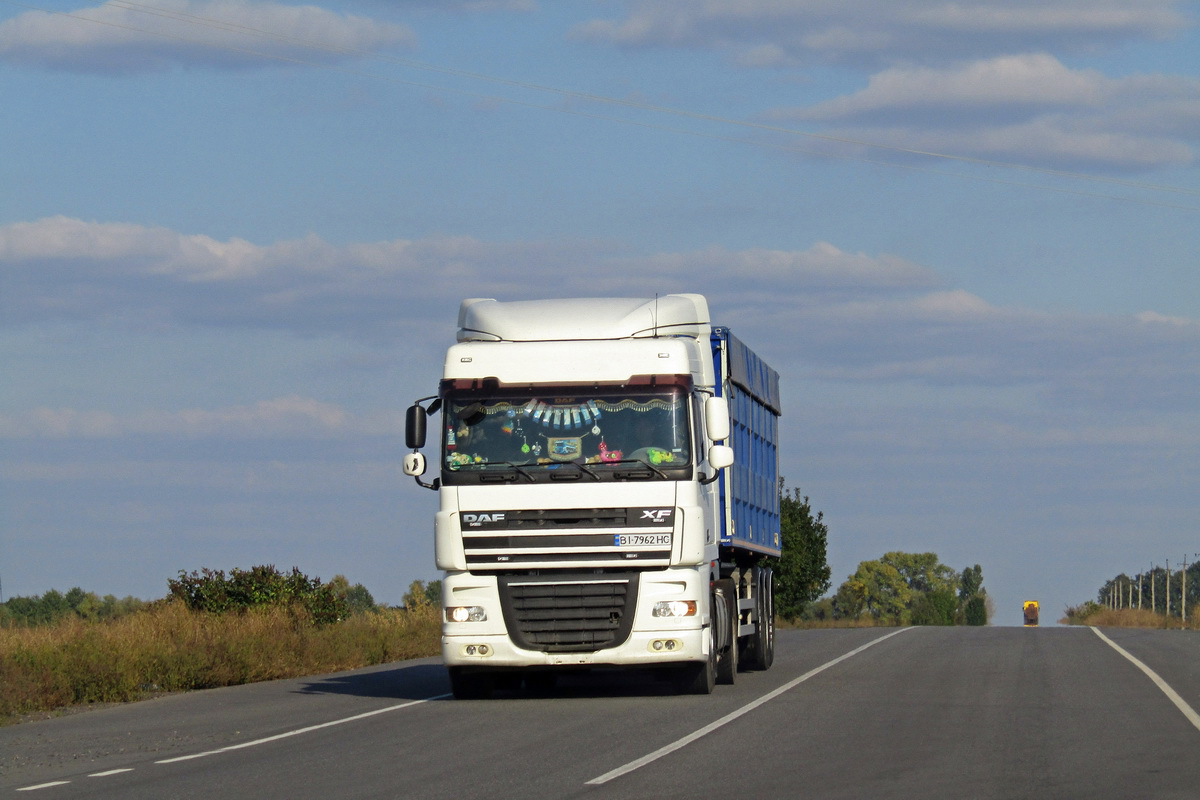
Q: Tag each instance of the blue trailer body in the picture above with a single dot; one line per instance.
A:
(750, 489)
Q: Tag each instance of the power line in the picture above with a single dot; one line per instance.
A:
(308, 44)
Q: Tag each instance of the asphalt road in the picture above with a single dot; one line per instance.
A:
(925, 712)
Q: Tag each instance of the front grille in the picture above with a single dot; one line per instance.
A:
(564, 537)
(561, 614)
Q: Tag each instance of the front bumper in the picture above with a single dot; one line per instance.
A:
(652, 640)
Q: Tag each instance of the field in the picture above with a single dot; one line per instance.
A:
(169, 648)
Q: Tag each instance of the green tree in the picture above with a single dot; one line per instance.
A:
(886, 595)
(922, 572)
(939, 607)
(900, 588)
(851, 599)
(970, 583)
(975, 611)
(357, 597)
(423, 595)
(802, 571)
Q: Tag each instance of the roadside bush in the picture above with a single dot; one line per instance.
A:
(213, 592)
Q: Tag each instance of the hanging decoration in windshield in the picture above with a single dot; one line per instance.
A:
(517, 432)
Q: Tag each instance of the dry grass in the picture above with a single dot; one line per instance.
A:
(170, 648)
(1102, 617)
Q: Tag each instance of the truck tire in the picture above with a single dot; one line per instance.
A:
(699, 677)
(727, 660)
(468, 684)
(762, 642)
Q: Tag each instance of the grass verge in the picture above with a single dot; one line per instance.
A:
(1099, 616)
(171, 648)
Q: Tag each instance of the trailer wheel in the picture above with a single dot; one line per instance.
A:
(763, 639)
(699, 677)
(468, 684)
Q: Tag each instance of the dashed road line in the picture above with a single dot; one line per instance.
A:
(299, 731)
(254, 743)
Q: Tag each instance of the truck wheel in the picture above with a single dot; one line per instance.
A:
(470, 684)
(727, 664)
(699, 677)
(763, 640)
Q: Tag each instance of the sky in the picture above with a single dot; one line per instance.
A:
(234, 236)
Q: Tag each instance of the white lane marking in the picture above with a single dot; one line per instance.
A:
(1171, 694)
(42, 786)
(730, 717)
(299, 731)
(110, 772)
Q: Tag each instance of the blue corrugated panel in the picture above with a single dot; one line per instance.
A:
(751, 489)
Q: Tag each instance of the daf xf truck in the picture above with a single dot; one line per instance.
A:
(607, 477)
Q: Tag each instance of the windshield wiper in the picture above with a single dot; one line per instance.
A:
(517, 469)
(555, 475)
(639, 474)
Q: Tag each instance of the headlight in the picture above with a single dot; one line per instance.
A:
(466, 614)
(675, 608)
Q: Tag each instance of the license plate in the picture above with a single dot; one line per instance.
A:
(641, 539)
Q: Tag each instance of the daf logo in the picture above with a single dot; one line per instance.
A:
(475, 520)
(657, 515)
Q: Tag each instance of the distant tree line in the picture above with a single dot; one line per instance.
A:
(206, 590)
(1158, 590)
(54, 606)
(909, 589)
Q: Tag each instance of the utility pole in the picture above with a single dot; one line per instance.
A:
(1183, 593)
(1153, 599)
(1168, 587)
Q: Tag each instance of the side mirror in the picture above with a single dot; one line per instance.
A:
(414, 430)
(720, 456)
(414, 465)
(716, 418)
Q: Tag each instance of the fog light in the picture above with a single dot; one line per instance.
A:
(665, 645)
(675, 608)
(477, 650)
(466, 614)
(658, 645)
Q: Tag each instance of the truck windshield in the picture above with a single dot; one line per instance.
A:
(604, 435)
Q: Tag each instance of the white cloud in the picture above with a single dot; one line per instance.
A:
(292, 416)
(66, 268)
(848, 317)
(1029, 108)
(869, 32)
(222, 34)
(1024, 81)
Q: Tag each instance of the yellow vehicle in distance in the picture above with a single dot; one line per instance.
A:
(1031, 613)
